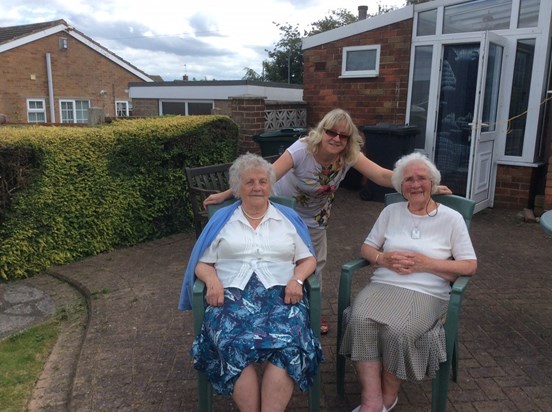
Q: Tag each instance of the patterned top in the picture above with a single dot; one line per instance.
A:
(312, 185)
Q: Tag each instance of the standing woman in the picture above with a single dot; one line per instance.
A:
(254, 257)
(311, 170)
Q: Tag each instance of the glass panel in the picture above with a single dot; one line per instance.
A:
(81, 110)
(420, 91)
(492, 86)
(519, 100)
(37, 118)
(427, 23)
(456, 107)
(173, 108)
(478, 15)
(361, 60)
(199, 108)
(528, 13)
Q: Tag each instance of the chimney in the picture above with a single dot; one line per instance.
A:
(362, 12)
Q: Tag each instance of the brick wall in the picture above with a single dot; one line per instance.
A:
(370, 101)
(514, 187)
(78, 72)
(145, 107)
(248, 113)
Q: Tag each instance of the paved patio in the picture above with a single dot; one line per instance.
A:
(134, 355)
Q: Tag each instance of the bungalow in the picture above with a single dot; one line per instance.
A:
(466, 73)
(52, 73)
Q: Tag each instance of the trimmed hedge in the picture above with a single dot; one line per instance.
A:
(90, 190)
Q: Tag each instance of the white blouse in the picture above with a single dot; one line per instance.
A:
(271, 250)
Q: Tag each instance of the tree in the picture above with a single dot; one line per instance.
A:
(285, 64)
(251, 74)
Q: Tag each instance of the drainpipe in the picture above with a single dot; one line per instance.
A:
(50, 88)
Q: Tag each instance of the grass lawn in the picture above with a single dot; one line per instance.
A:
(22, 359)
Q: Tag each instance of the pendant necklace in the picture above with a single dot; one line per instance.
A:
(415, 233)
(254, 218)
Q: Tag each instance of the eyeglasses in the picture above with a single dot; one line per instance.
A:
(333, 133)
(420, 180)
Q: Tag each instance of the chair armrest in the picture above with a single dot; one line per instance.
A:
(198, 305)
(315, 304)
(344, 298)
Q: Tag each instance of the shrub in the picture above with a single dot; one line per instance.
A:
(90, 190)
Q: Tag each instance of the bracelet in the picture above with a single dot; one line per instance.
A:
(299, 281)
(377, 257)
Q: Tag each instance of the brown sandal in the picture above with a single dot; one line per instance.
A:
(323, 327)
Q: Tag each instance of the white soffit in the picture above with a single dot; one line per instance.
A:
(358, 27)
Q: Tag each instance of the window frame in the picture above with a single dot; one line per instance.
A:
(74, 110)
(126, 104)
(360, 73)
(36, 111)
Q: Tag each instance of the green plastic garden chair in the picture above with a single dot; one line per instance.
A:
(440, 383)
(204, 388)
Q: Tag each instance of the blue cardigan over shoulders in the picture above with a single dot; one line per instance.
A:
(212, 229)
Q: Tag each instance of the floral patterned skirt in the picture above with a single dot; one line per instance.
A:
(254, 326)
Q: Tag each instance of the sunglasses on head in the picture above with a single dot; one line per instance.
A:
(333, 133)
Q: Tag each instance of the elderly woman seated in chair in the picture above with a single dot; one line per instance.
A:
(254, 257)
(394, 327)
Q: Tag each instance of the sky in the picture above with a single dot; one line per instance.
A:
(204, 39)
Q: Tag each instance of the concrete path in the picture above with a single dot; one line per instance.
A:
(131, 352)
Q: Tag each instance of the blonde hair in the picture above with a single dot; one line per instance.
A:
(355, 143)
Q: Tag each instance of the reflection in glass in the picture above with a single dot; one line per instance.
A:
(528, 13)
(456, 112)
(420, 91)
(427, 23)
(519, 100)
(492, 88)
(361, 60)
(478, 15)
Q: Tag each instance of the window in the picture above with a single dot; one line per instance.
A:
(528, 13)
(361, 61)
(477, 15)
(36, 111)
(122, 108)
(427, 23)
(519, 100)
(421, 78)
(186, 108)
(74, 111)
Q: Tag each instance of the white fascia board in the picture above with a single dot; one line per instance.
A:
(108, 55)
(358, 27)
(215, 92)
(32, 37)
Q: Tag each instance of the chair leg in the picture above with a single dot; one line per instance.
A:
(439, 387)
(455, 361)
(340, 375)
(204, 393)
(314, 394)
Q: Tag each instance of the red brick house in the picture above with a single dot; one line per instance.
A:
(52, 73)
(473, 76)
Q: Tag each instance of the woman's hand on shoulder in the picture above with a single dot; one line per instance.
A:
(214, 199)
(443, 190)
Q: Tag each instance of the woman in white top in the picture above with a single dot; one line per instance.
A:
(311, 170)
(254, 266)
(394, 327)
